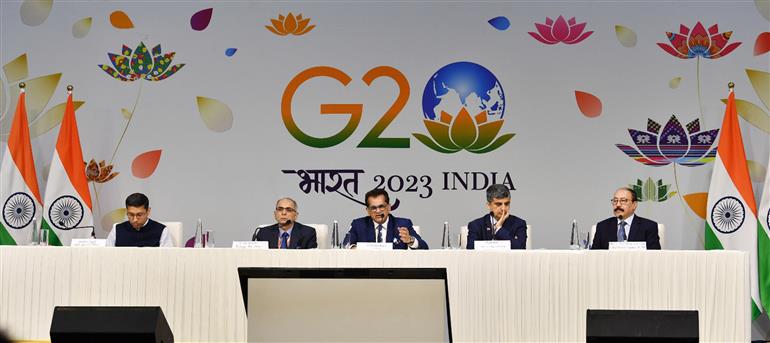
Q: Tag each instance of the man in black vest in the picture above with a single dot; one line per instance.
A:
(139, 230)
(286, 233)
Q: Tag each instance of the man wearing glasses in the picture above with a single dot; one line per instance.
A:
(498, 224)
(286, 233)
(139, 230)
(625, 226)
(381, 227)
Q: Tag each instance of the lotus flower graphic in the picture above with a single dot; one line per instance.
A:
(138, 64)
(672, 145)
(99, 173)
(699, 43)
(650, 190)
(290, 25)
(561, 30)
(463, 104)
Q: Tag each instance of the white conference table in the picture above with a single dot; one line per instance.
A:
(535, 295)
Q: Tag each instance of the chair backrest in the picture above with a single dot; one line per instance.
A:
(464, 237)
(176, 230)
(661, 234)
(322, 235)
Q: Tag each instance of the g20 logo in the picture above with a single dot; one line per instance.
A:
(463, 104)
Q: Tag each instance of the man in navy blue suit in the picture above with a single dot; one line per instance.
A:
(498, 224)
(381, 227)
(286, 233)
(625, 226)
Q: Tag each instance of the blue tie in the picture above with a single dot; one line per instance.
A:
(284, 238)
(622, 231)
(379, 233)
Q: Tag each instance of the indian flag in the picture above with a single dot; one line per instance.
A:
(764, 244)
(19, 193)
(732, 212)
(67, 199)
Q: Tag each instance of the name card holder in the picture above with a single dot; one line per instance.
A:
(628, 245)
(374, 246)
(88, 242)
(492, 245)
(261, 245)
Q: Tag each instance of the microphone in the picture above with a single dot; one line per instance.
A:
(93, 233)
(572, 235)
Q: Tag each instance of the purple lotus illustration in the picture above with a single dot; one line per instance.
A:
(657, 148)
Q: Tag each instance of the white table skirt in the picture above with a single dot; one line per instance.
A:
(535, 295)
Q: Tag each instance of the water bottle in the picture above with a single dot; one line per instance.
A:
(335, 235)
(35, 233)
(199, 234)
(445, 244)
(574, 240)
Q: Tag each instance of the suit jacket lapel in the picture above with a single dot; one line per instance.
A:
(273, 242)
(370, 230)
(633, 231)
(392, 230)
(295, 232)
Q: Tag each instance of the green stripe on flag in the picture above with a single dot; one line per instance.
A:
(755, 312)
(712, 242)
(763, 244)
(5, 237)
(53, 239)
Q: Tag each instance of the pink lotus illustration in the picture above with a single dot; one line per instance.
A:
(699, 43)
(561, 30)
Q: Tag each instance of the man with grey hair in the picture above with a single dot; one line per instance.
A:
(286, 233)
(498, 224)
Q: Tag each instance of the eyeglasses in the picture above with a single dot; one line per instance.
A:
(620, 201)
(378, 207)
(287, 209)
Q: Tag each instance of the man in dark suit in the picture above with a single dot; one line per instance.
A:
(139, 230)
(625, 226)
(286, 233)
(498, 224)
(382, 227)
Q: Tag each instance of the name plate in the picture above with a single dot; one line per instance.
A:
(628, 245)
(374, 246)
(492, 245)
(262, 245)
(88, 242)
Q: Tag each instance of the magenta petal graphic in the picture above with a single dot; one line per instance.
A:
(581, 38)
(560, 29)
(575, 32)
(545, 33)
(201, 19)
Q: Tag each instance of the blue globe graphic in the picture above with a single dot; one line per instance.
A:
(463, 84)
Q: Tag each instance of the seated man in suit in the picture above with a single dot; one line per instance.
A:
(625, 226)
(381, 227)
(139, 230)
(286, 233)
(498, 224)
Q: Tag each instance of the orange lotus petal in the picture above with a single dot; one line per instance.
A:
(290, 24)
(104, 171)
(144, 165)
(481, 117)
(275, 31)
(302, 23)
(762, 45)
(446, 118)
(440, 133)
(487, 133)
(589, 104)
(108, 178)
(120, 20)
(278, 26)
(308, 29)
(463, 130)
(697, 203)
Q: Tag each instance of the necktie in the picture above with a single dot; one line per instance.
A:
(284, 239)
(622, 231)
(379, 233)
